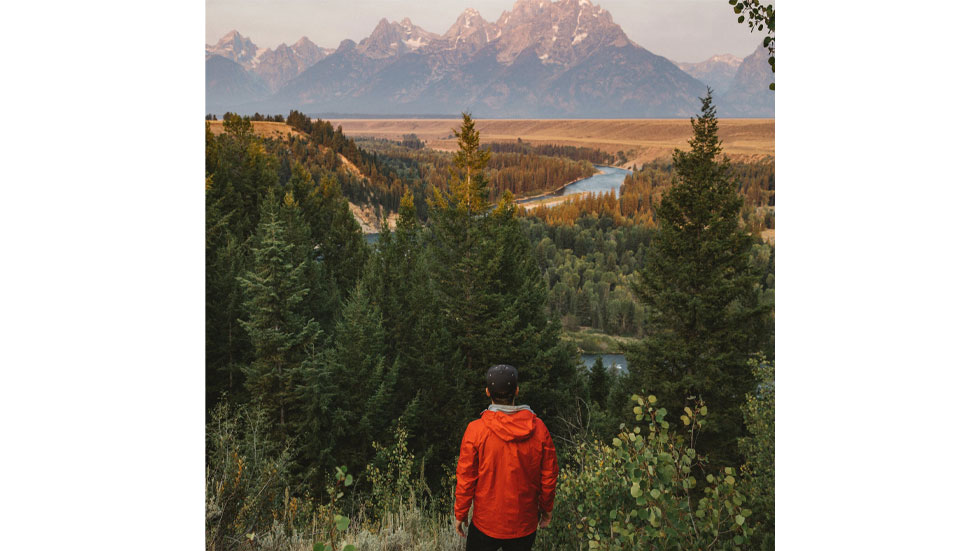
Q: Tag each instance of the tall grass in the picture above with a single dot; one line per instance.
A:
(251, 505)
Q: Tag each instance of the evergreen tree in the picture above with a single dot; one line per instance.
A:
(281, 338)
(698, 282)
(335, 234)
(599, 382)
(238, 126)
(522, 332)
(226, 343)
(397, 281)
(314, 219)
(238, 173)
(348, 396)
(417, 340)
(468, 183)
(463, 266)
(490, 293)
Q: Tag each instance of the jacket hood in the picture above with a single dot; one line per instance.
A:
(510, 426)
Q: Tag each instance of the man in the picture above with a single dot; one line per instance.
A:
(507, 469)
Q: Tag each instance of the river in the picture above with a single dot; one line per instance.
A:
(610, 361)
(608, 178)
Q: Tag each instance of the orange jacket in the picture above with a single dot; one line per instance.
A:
(508, 469)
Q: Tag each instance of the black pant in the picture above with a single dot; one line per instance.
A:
(478, 541)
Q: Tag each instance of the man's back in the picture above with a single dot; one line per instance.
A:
(508, 469)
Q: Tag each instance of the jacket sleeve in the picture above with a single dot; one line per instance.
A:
(466, 472)
(549, 473)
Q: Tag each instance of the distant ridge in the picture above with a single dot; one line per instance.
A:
(749, 95)
(377, 116)
(718, 71)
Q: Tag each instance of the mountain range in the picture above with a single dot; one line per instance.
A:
(541, 59)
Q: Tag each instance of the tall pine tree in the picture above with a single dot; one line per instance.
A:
(281, 338)
(490, 293)
(238, 174)
(700, 288)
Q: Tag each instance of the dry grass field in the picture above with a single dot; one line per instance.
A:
(648, 139)
(262, 128)
(642, 139)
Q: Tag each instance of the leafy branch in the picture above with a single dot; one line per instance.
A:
(759, 17)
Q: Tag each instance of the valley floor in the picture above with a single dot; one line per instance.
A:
(642, 140)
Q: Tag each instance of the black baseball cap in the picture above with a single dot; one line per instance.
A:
(502, 380)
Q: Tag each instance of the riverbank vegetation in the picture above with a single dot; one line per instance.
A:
(643, 190)
(340, 376)
(592, 341)
(519, 169)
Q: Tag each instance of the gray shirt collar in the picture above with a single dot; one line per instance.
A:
(509, 409)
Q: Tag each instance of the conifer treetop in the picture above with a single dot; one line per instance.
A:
(468, 186)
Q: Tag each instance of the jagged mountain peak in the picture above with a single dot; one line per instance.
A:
(469, 30)
(230, 36)
(383, 41)
(394, 38)
(309, 50)
(272, 66)
(467, 22)
(345, 45)
(235, 47)
(562, 32)
(472, 17)
(303, 42)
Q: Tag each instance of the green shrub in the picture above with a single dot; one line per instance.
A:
(249, 504)
(649, 490)
(759, 449)
(396, 480)
(246, 476)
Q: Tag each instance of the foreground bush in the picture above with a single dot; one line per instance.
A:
(649, 490)
(249, 504)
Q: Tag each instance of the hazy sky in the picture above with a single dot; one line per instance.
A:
(681, 30)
